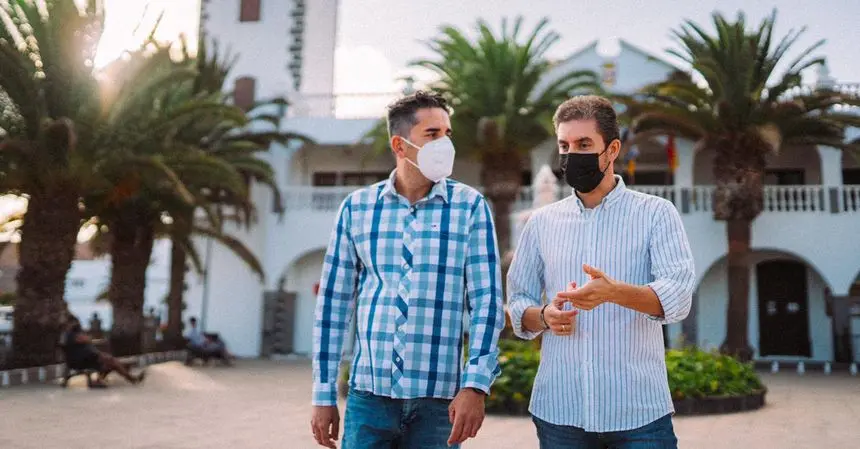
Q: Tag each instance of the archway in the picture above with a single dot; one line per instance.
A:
(789, 315)
(301, 280)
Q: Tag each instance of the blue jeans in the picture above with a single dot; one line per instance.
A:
(379, 422)
(656, 435)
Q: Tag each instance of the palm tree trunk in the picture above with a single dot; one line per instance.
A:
(131, 250)
(501, 176)
(49, 234)
(737, 336)
(178, 270)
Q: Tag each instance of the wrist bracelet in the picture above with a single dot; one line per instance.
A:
(542, 319)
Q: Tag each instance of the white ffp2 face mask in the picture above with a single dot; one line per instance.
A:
(435, 158)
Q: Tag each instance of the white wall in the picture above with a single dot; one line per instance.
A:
(87, 279)
(633, 67)
(713, 302)
(301, 278)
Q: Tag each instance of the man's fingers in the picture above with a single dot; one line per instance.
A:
(591, 271)
(318, 435)
(456, 431)
(335, 428)
(451, 414)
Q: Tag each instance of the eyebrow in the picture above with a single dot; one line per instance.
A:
(577, 141)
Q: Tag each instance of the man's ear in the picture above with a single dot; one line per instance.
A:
(397, 145)
(614, 149)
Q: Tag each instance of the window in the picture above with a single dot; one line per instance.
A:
(851, 176)
(648, 178)
(363, 179)
(244, 92)
(329, 179)
(324, 179)
(784, 177)
(249, 11)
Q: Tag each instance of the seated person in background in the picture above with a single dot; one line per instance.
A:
(82, 354)
(206, 345)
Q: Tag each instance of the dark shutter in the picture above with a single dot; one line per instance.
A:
(250, 11)
(244, 92)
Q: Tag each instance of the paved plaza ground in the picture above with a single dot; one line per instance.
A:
(265, 404)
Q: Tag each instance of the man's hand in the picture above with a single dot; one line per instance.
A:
(466, 413)
(600, 289)
(560, 321)
(325, 425)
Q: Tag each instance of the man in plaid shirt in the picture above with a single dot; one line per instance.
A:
(408, 256)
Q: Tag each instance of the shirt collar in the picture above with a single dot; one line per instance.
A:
(439, 189)
(610, 198)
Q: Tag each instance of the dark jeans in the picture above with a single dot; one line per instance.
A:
(378, 422)
(656, 435)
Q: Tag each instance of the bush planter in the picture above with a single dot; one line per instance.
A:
(719, 404)
(701, 382)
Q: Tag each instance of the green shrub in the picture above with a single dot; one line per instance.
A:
(692, 372)
(697, 373)
(512, 390)
(8, 299)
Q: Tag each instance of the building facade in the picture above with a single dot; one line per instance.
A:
(804, 296)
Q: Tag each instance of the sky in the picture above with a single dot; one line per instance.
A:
(378, 38)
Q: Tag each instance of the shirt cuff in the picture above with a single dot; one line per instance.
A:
(325, 394)
(661, 288)
(475, 379)
(516, 310)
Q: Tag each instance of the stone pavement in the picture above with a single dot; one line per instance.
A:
(263, 404)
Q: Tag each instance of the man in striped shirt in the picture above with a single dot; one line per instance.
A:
(617, 266)
(407, 257)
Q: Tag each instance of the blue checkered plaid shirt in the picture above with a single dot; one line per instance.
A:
(409, 271)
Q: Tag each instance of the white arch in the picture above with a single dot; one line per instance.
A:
(813, 260)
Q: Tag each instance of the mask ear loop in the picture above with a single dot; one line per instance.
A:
(603, 172)
(414, 164)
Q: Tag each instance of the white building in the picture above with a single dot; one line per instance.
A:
(806, 251)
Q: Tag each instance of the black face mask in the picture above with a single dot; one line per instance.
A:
(582, 170)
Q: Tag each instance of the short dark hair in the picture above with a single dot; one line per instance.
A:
(193, 320)
(590, 107)
(401, 113)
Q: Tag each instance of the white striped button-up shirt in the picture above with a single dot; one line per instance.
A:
(610, 375)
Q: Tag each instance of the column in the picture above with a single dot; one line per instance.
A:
(831, 176)
(684, 173)
(840, 306)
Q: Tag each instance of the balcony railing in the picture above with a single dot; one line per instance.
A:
(691, 200)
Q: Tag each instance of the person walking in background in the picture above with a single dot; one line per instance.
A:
(408, 256)
(621, 259)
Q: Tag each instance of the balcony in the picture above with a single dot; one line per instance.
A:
(694, 200)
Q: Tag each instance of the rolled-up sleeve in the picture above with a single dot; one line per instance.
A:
(525, 278)
(484, 292)
(672, 268)
(334, 308)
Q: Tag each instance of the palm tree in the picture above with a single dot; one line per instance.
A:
(47, 89)
(501, 108)
(151, 108)
(744, 110)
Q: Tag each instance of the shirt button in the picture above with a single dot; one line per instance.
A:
(397, 359)
(412, 209)
(405, 266)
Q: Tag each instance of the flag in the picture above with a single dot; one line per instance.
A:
(630, 157)
(671, 153)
